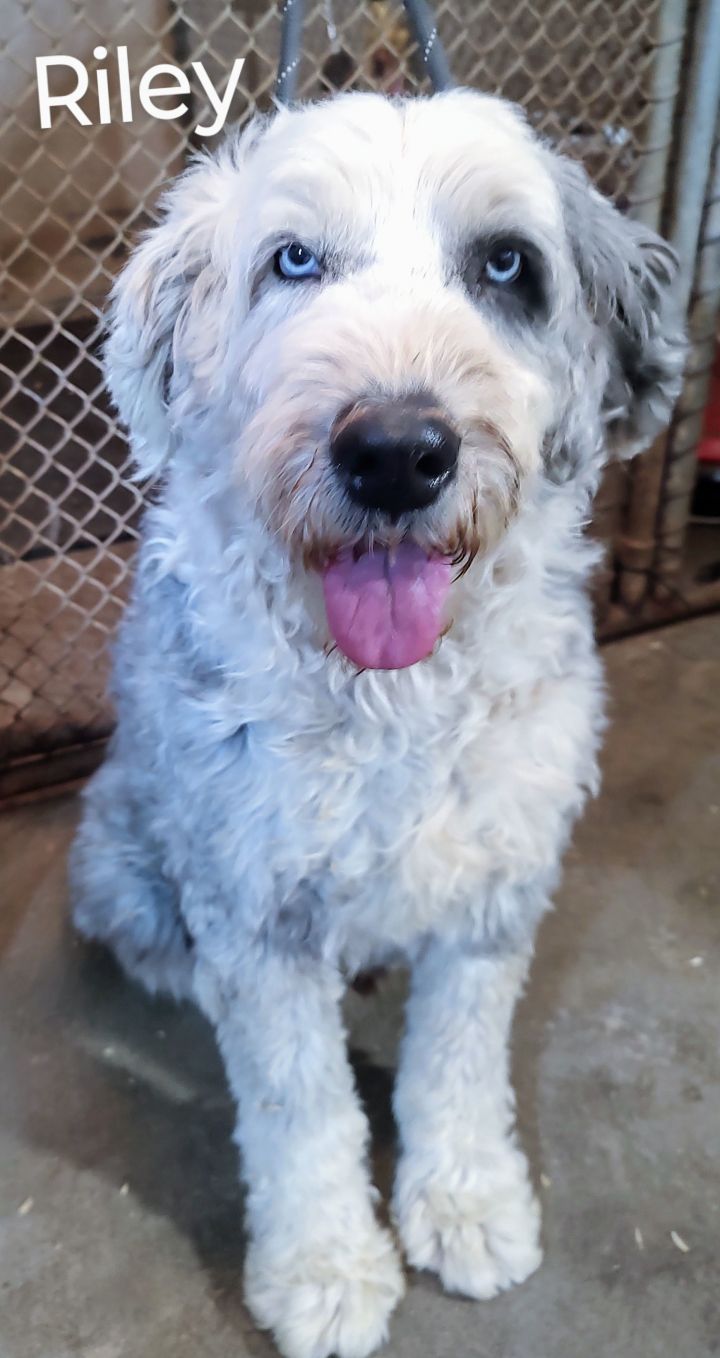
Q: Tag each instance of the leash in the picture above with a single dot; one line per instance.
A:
(425, 33)
(422, 25)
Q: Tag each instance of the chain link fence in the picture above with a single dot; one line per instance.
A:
(600, 77)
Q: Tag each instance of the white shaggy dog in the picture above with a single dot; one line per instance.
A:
(377, 351)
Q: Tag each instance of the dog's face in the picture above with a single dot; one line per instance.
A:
(402, 319)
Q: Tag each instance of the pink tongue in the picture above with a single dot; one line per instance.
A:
(385, 609)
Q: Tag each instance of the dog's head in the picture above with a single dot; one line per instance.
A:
(393, 323)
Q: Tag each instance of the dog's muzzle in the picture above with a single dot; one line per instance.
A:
(394, 457)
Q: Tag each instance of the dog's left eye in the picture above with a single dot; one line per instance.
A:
(504, 265)
(296, 261)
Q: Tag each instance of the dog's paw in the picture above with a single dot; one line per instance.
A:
(326, 1301)
(479, 1240)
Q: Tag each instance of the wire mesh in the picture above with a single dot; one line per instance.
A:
(72, 200)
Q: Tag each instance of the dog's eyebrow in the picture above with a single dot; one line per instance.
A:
(486, 239)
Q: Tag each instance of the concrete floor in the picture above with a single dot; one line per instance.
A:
(119, 1207)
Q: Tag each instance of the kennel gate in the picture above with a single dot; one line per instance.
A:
(630, 87)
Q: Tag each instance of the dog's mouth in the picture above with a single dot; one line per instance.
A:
(385, 605)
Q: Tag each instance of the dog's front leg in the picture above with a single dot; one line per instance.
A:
(320, 1272)
(463, 1201)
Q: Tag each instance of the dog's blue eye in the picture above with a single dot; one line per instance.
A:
(296, 261)
(504, 265)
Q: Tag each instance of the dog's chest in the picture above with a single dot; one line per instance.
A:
(390, 830)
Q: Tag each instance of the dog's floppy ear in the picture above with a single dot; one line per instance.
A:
(627, 274)
(164, 309)
(158, 288)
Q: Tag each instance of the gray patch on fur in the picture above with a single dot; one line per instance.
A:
(627, 276)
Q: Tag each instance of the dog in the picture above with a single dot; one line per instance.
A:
(376, 354)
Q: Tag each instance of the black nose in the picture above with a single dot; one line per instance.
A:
(395, 456)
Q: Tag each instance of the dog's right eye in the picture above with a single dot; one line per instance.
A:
(296, 261)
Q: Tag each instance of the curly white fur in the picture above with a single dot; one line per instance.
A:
(270, 820)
